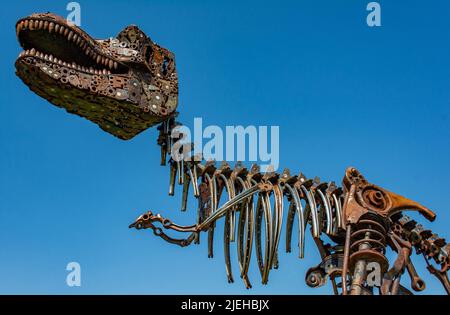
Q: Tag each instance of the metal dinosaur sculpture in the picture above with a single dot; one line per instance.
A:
(129, 83)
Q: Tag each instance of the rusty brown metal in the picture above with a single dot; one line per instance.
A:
(124, 84)
(363, 197)
(358, 218)
(128, 83)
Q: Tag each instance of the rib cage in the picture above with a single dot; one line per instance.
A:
(128, 83)
(250, 201)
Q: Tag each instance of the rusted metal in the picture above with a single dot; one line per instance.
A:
(124, 84)
(129, 83)
(360, 218)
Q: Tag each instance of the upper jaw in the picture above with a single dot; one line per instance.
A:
(52, 36)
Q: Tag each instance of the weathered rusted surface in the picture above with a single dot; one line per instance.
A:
(128, 83)
(125, 84)
(363, 197)
(361, 220)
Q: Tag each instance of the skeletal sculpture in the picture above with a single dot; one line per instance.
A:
(129, 83)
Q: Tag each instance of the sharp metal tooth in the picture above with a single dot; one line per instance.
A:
(104, 61)
(74, 65)
(91, 69)
(74, 38)
(104, 71)
(50, 58)
(51, 27)
(32, 51)
(18, 28)
(25, 23)
(45, 25)
(69, 37)
(115, 65)
(60, 62)
(36, 24)
(111, 64)
(99, 58)
(31, 25)
(88, 51)
(41, 24)
(78, 40)
(66, 31)
(64, 63)
(61, 30)
(57, 28)
(45, 56)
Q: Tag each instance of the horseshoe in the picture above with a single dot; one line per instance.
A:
(278, 217)
(245, 221)
(213, 199)
(268, 229)
(295, 206)
(325, 204)
(311, 209)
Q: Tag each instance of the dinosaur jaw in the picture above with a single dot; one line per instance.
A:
(64, 65)
(51, 38)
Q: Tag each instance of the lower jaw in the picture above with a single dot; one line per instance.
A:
(72, 90)
(53, 60)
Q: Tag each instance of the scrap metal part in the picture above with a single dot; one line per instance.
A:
(124, 84)
(128, 83)
(360, 219)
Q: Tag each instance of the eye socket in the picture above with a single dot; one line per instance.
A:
(165, 66)
(148, 54)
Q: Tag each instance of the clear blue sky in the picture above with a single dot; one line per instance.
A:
(342, 93)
